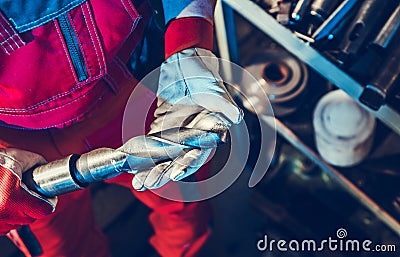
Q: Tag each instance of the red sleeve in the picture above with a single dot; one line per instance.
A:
(188, 32)
(18, 207)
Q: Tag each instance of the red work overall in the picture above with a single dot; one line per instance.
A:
(55, 103)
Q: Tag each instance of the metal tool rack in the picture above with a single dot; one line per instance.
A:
(225, 28)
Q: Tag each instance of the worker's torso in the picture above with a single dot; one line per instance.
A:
(61, 57)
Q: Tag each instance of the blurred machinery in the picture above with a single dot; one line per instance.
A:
(360, 36)
(312, 197)
(283, 79)
(335, 164)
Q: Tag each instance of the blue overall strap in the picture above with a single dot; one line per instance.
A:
(25, 15)
(18, 16)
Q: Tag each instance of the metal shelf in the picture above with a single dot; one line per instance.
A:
(334, 174)
(283, 36)
(286, 38)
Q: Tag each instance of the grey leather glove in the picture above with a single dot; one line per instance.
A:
(191, 94)
(19, 161)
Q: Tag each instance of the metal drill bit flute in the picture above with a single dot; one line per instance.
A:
(76, 172)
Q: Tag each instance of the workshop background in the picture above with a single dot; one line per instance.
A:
(331, 72)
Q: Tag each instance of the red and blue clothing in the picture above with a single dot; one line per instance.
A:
(64, 84)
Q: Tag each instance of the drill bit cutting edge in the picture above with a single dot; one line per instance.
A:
(76, 172)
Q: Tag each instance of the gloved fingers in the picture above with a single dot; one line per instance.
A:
(207, 121)
(188, 163)
(138, 180)
(206, 129)
(215, 102)
(158, 176)
(173, 115)
(10, 170)
(178, 169)
(212, 122)
(213, 99)
(146, 179)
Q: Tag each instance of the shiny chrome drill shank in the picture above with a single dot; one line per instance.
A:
(139, 153)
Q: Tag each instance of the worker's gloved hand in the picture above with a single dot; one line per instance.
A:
(191, 95)
(18, 205)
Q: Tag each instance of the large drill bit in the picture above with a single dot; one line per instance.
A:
(139, 153)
